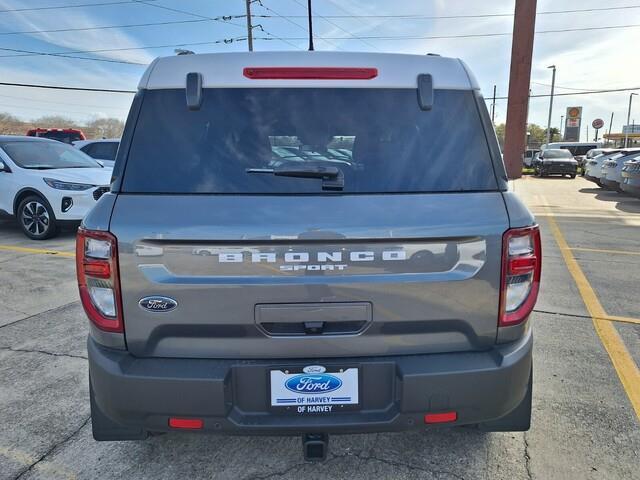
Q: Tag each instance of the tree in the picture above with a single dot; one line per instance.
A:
(10, 125)
(97, 128)
(104, 128)
(536, 135)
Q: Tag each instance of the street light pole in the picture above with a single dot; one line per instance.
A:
(561, 127)
(553, 86)
(626, 135)
(493, 106)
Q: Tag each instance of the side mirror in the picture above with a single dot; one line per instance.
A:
(4, 167)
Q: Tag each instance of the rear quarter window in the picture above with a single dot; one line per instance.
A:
(379, 139)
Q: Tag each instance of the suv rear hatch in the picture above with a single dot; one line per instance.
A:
(404, 258)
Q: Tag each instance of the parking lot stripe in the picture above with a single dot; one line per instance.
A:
(57, 253)
(600, 250)
(622, 361)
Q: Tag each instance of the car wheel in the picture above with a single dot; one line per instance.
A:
(573, 175)
(36, 218)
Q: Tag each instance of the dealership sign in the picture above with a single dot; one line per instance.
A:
(572, 124)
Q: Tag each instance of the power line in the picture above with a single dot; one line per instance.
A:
(13, 97)
(28, 53)
(78, 5)
(470, 35)
(567, 94)
(124, 49)
(10, 105)
(294, 23)
(129, 25)
(60, 87)
(485, 15)
(110, 90)
(566, 88)
(176, 10)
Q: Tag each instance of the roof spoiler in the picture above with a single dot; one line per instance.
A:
(425, 91)
(194, 90)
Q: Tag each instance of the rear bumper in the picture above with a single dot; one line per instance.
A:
(592, 178)
(631, 186)
(231, 396)
(611, 184)
(551, 169)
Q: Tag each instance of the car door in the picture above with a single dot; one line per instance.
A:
(9, 183)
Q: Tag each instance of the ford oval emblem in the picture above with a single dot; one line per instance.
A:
(157, 303)
(313, 383)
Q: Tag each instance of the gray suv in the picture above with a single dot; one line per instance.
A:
(308, 243)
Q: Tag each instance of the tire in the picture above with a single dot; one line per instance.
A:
(573, 175)
(106, 430)
(36, 218)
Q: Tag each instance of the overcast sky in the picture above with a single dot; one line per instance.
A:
(596, 59)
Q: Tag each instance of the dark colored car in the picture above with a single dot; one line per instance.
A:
(555, 162)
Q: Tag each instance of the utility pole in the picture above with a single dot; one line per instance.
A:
(587, 139)
(626, 135)
(524, 22)
(493, 106)
(610, 125)
(553, 86)
(249, 26)
(561, 127)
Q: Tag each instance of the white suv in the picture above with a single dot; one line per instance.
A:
(43, 182)
(103, 150)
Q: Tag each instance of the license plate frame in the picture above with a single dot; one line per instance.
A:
(346, 398)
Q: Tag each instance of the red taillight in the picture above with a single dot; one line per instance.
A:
(186, 423)
(445, 417)
(99, 279)
(521, 269)
(309, 73)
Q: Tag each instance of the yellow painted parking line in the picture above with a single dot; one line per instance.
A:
(43, 251)
(623, 363)
(600, 250)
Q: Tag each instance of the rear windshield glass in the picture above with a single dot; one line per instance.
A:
(557, 154)
(577, 149)
(379, 140)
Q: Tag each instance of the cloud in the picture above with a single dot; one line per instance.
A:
(74, 18)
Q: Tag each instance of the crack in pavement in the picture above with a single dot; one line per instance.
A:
(53, 354)
(39, 313)
(362, 458)
(527, 457)
(52, 449)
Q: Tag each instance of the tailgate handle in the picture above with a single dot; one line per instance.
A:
(313, 328)
(302, 319)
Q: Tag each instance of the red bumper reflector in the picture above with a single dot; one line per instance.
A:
(309, 73)
(187, 423)
(445, 417)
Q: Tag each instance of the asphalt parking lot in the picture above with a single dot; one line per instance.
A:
(586, 407)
